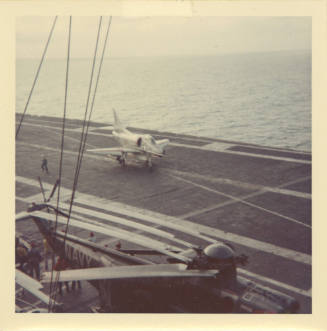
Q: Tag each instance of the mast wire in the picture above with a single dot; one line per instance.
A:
(36, 76)
(96, 86)
(84, 134)
(53, 284)
(53, 288)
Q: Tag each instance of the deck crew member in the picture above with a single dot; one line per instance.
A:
(46, 251)
(61, 265)
(34, 259)
(92, 237)
(44, 165)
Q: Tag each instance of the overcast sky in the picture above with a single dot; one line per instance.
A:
(160, 36)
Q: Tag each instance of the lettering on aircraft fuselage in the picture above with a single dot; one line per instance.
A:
(80, 257)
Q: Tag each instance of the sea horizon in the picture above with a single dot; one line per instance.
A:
(259, 97)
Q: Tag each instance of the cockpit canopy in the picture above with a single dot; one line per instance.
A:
(150, 139)
(147, 139)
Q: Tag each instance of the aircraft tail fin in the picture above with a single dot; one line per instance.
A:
(118, 125)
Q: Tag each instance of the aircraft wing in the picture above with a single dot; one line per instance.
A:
(27, 282)
(22, 216)
(135, 271)
(114, 232)
(32, 286)
(163, 142)
(114, 151)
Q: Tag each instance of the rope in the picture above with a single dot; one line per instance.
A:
(52, 287)
(79, 159)
(84, 134)
(78, 168)
(36, 76)
(96, 86)
(61, 158)
(53, 284)
(53, 291)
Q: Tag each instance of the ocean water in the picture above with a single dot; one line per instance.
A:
(260, 98)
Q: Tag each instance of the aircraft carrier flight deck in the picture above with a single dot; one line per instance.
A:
(258, 199)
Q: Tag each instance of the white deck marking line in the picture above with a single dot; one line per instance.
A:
(212, 179)
(229, 202)
(191, 231)
(249, 186)
(53, 149)
(115, 219)
(244, 202)
(21, 214)
(275, 282)
(105, 127)
(114, 232)
(36, 303)
(32, 182)
(204, 140)
(65, 193)
(169, 221)
(218, 205)
(266, 148)
(218, 146)
(54, 129)
(109, 126)
(37, 198)
(22, 199)
(256, 276)
(271, 157)
(247, 273)
(166, 220)
(37, 120)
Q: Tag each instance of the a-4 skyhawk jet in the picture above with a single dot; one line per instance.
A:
(142, 147)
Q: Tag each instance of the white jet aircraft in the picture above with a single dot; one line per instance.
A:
(141, 146)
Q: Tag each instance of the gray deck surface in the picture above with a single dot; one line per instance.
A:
(258, 199)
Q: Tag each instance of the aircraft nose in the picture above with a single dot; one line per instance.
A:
(161, 150)
(154, 149)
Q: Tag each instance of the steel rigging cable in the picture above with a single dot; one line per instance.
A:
(54, 286)
(78, 163)
(82, 140)
(84, 133)
(95, 89)
(36, 76)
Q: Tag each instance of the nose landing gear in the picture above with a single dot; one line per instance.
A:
(149, 163)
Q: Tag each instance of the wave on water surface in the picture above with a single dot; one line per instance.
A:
(260, 98)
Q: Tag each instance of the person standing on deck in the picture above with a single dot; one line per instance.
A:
(21, 257)
(61, 265)
(91, 238)
(74, 282)
(34, 259)
(44, 165)
(46, 251)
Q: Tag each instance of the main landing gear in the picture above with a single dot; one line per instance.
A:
(122, 159)
(148, 163)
